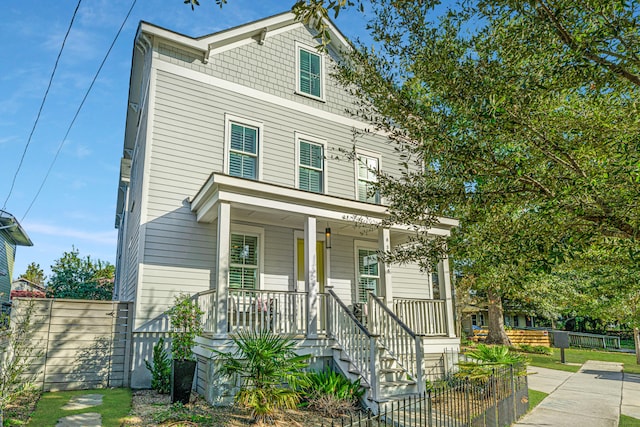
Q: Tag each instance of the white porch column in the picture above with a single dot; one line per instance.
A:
(222, 279)
(384, 245)
(311, 275)
(446, 294)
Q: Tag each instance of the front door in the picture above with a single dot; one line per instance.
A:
(319, 265)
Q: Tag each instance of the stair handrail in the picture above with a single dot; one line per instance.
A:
(365, 360)
(407, 350)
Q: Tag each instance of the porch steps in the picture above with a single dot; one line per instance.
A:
(394, 380)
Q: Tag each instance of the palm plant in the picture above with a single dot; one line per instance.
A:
(270, 372)
(487, 357)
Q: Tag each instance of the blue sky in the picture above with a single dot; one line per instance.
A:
(77, 204)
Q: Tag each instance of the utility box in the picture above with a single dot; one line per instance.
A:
(561, 339)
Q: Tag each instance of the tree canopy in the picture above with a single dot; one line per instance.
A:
(520, 118)
(34, 274)
(80, 278)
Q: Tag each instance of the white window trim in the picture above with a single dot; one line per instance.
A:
(259, 233)
(356, 169)
(314, 140)
(228, 120)
(368, 245)
(299, 46)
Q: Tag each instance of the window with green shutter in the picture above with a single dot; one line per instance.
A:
(310, 73)
(243, 266)
(243, 151)
(311, 167)
(368, 273)
(367, 169)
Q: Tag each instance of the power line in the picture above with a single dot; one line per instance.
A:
(64, 139)
(35, 123)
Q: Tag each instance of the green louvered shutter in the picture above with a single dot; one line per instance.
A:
(310, 73)
(243, 153)
(311, 169)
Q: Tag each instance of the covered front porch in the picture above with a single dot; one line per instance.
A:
(281, 253)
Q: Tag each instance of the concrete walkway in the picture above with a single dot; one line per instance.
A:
(591, 397)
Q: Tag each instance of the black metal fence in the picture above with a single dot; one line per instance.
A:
(495, 400)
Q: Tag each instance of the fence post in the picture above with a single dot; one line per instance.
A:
(429, 410)
(513, 394)
(422, 381)
(374, 368)
(467, 399)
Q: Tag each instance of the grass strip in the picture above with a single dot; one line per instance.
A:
(116, 404)
(579, 356)
(535, 397)
(627, 421)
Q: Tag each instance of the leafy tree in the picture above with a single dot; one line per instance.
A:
(520, 118)
(80, 278)
(34, 274)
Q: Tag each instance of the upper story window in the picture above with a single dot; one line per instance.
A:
(310, 74)
(311, 165)
(367, 167)
(242, 146)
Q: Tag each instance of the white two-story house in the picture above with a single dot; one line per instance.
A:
(236, 187)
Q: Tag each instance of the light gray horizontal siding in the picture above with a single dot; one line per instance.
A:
(409, 282)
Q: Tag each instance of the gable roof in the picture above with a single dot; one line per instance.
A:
(257, 30)
(10, 226)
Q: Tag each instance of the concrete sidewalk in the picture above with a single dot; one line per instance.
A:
(591, 397)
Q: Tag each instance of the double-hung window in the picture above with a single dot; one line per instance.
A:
(243, 146)
(310, 74)
(243, 151)
(244, 265)
(368, 273)
(367, 168)
(311, 173)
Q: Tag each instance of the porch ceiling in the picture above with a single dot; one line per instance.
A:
(272, 204)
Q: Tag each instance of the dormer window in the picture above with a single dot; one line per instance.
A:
(310, 75)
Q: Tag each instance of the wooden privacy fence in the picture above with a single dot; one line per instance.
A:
(520, 336)
(79, 344)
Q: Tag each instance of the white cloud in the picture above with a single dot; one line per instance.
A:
(99, 237)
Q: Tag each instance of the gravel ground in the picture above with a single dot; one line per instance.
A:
(152, 409)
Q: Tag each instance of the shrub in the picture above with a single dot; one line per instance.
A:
(185, 321)
(332, 394)
(161, 369)
(270, 372)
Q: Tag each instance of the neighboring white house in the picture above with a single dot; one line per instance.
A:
(234, 186)
(11, 235)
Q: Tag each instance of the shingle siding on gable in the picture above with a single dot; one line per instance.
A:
(269, 68)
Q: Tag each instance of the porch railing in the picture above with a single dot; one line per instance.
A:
(280, 312)
(424, 316)
(207, 303)
(354, 340)
(403, 344)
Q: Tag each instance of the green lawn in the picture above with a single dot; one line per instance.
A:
(535, 397)
(575, 355)
(626, 421)
(116, 404)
